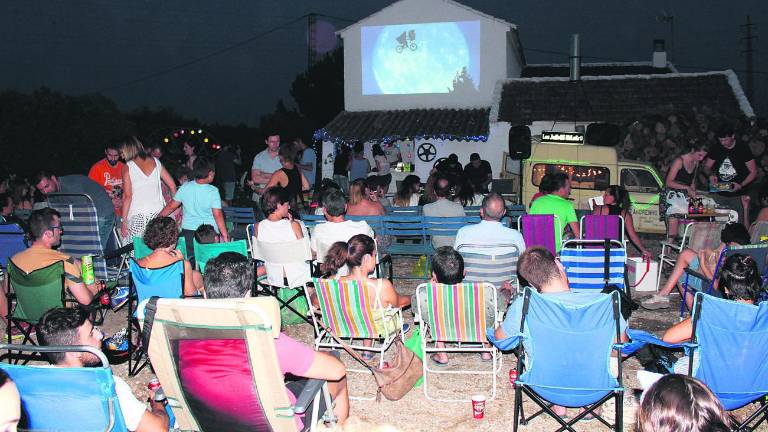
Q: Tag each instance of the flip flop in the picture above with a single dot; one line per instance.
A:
(437, 363)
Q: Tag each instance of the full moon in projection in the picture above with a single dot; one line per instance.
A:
(440, 53)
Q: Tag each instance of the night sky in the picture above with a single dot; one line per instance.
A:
(136, 52)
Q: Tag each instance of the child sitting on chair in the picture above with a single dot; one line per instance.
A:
(206, 234)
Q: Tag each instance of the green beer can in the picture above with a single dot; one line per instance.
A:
(87, 269)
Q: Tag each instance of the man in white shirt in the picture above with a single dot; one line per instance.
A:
(337, 228)
(489, 231)
(264, 164)
(72, 326)
(443, 207)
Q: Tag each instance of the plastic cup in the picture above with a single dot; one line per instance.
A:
(478, 407)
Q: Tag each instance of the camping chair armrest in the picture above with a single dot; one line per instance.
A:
(313, 387)
(314, 268)
(699, 275)
(676, 247)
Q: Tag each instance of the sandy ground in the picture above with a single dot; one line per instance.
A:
(417, 413)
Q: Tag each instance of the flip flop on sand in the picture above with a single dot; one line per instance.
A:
(436, 362)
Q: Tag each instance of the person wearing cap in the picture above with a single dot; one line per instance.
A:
(478, 171)
(731, 163)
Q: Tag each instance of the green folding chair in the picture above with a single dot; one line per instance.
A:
(34, 293)
(140, 249)
(207, 251)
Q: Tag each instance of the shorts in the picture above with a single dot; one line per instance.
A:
(229, 190)
(694, 283)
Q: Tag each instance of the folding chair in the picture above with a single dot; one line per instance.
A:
(404, 211)
(163, 282)
(34, 293)
(346, 309)
(11, 242)
(458, 314)
(696, 236)
(758, 231)
(80, 223)
(205, 252)
(759, 252)
(472, 211)
(141, 250)
(540, 230)
(288, 268)
(183, 325)
(310, 220)
(483, 263)
(67, 398)
(731, 341)
(600, 227)
(567, 356)
(591, 269)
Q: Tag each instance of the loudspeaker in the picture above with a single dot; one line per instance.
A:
(602, 134)
(519, 142)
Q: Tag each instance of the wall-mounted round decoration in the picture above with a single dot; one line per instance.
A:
(426, 152)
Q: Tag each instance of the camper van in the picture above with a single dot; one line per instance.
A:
(592, 169)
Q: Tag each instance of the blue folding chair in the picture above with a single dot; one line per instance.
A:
(567, 355)
(163, 282)
(731, 341)
(11, 242)
(591, 265)
(66, 398)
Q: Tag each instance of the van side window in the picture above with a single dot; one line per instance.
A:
(582, 177)
(638, 180)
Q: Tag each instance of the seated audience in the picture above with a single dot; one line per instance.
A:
(739, 281)
(381, 193)
(443, 207)
(681, 403)
(161, 236)
(448, 268)
(616, 202)
(72, 326)
(363, 200)
(489, 231)
(468, 194)
(546, 274)
(704, 262)
(359, 255)
(10, 404)
(555, 201)
(45, 232)
(280, 226)
(229, 276)
(544, 185)
(7, 207)
(206, 234)
(408, 195)
(337, 227)
(290, 176)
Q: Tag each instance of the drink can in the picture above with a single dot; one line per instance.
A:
(478, 407)
(385, 365)
(154, 384)
(87, 269)
(512, 377)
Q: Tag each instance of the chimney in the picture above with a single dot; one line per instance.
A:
(659, 54)
(575, 58)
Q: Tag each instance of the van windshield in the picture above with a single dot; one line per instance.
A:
(582, 177)
(639, 180)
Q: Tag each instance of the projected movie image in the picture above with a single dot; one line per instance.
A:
(421, 58)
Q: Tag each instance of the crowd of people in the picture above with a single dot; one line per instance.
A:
(141, 197)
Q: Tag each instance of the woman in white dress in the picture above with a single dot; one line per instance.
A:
(142, 191)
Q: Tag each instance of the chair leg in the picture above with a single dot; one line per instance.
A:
(518, 408)
(619, 422)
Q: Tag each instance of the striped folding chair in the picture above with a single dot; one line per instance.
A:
(540, 230)
(458, 315)
(81, 230)
(494, 264)
(346, 309)
(589, 268)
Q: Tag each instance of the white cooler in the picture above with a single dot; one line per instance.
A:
(641, 274)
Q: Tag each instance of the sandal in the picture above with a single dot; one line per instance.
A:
(436, 362)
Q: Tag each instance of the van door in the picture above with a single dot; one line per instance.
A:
(644, 187)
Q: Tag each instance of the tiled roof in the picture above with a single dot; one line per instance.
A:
(618, 99)
(594, 69)
(388, 126)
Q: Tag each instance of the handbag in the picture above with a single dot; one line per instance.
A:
(398, 379)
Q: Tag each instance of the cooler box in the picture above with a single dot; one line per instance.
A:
(642, 274)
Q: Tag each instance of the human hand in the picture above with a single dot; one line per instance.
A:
(735, 187)
(647, 255)
(691, 191)
(713, 179)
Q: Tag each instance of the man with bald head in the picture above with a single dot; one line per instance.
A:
(489, 231)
